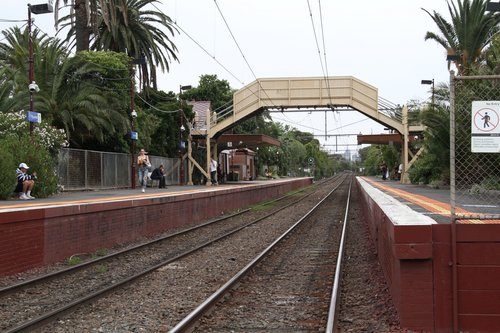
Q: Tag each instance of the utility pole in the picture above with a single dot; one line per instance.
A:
(181, 130)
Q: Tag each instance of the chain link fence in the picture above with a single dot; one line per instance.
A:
(475, 147)
(94, 170)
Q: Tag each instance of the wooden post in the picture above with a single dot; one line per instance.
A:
(405, 179)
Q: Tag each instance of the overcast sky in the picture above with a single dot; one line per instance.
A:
(379, 42)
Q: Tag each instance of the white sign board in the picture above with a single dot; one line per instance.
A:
(485, 127)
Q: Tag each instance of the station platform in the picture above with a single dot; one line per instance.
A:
(40, 232)
(434, 202)
(112, 195)
(443, 276)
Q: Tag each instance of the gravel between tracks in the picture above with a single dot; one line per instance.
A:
(366, 302)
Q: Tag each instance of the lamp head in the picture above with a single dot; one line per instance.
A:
(134, 114)
(33, 87)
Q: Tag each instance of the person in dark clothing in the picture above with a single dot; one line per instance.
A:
(159, 173)
(383, 168)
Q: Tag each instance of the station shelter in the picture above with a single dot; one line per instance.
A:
(237, 164)
(236, 153)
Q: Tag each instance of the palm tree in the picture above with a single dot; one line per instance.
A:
(85, 110)
(13, 55)
(84, 16)
(138, 33)
(469, 32)
(76, 94)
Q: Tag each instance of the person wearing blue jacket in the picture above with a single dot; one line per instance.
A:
(25, 182)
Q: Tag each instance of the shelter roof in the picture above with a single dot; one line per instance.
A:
(251, 141)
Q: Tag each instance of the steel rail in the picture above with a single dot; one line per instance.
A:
(188, 321)
(332, 319)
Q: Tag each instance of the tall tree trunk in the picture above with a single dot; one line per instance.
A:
(82, 30)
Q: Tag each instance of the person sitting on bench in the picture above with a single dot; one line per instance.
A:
(159, 173)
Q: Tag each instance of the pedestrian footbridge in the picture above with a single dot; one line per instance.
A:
(339, 93)
(335, 93)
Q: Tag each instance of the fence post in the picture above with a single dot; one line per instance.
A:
(86, 170)
(452, 204)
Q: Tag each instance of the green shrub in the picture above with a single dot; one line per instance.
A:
(73, 261)
(8, 166)
(15, 150)
(426, 170)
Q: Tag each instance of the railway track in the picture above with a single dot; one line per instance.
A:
(37, 302)
(293, 285)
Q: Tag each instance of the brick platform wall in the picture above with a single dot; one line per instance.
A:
(405, 253)
(416, 260)
(37, 237)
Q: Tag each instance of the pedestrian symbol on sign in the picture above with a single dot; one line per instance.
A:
(485, 120)
(485, 132)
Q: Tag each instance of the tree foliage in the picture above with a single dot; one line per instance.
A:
(468, 33)
(86, 95)
(85, 15)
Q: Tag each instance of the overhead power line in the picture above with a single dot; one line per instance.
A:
(234, 39)
(204, 49)
(316, 39)
(243, 55)
(209, 54)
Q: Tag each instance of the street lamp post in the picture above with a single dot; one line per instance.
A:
(432, 83)
(31, 70)
(133, 114)
(32, 86)
(181, 130)
(133, 134)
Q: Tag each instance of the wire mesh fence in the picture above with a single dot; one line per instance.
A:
(94, 170)
(475, 147)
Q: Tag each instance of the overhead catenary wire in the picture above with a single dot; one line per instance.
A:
(316, 39)
(156, 109)
(324, 68)
(204, 49)
(209, 54)
(243, 55)
(234, 39)
(332, 130)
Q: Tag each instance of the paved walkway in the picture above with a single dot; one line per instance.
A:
(82, 197)
(433, 202)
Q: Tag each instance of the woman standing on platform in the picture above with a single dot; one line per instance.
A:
(144, 164)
